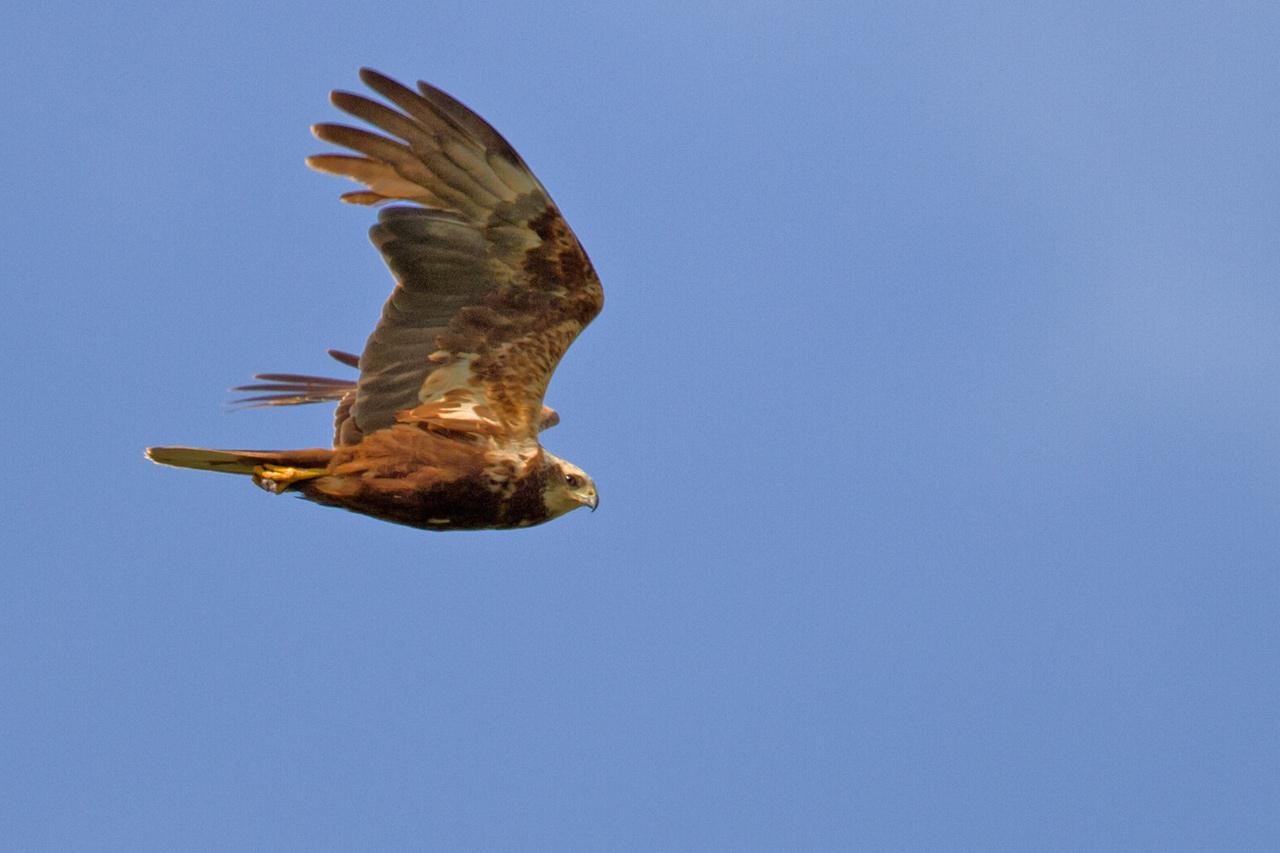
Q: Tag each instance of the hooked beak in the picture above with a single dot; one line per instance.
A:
(594, 501)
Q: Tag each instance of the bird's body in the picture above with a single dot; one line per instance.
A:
(440, 431)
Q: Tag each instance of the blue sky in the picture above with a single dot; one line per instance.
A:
(935, 410)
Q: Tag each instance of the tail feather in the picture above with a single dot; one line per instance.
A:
(237, 461)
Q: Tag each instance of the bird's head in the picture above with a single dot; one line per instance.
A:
(567, 487)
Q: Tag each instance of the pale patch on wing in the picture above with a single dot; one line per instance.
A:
(452, 398)
(447, 377)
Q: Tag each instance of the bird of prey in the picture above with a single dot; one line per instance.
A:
(440, 430)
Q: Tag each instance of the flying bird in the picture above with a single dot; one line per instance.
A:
(440, 429)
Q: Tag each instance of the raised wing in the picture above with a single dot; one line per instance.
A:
(491, 284)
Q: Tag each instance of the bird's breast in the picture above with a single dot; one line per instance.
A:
(473, 502)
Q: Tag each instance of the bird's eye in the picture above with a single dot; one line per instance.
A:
(573, 480)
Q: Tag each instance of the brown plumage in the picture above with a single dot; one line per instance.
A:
(440, 429)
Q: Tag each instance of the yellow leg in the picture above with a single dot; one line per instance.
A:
(277, 478)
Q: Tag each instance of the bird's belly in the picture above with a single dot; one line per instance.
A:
(469, 504)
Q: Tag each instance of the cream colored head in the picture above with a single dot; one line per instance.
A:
(567, 487)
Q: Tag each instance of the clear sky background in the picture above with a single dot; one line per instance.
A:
(935, 409)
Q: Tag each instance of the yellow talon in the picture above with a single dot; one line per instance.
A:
(277, 478)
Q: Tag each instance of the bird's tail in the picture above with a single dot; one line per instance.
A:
(252, 462)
